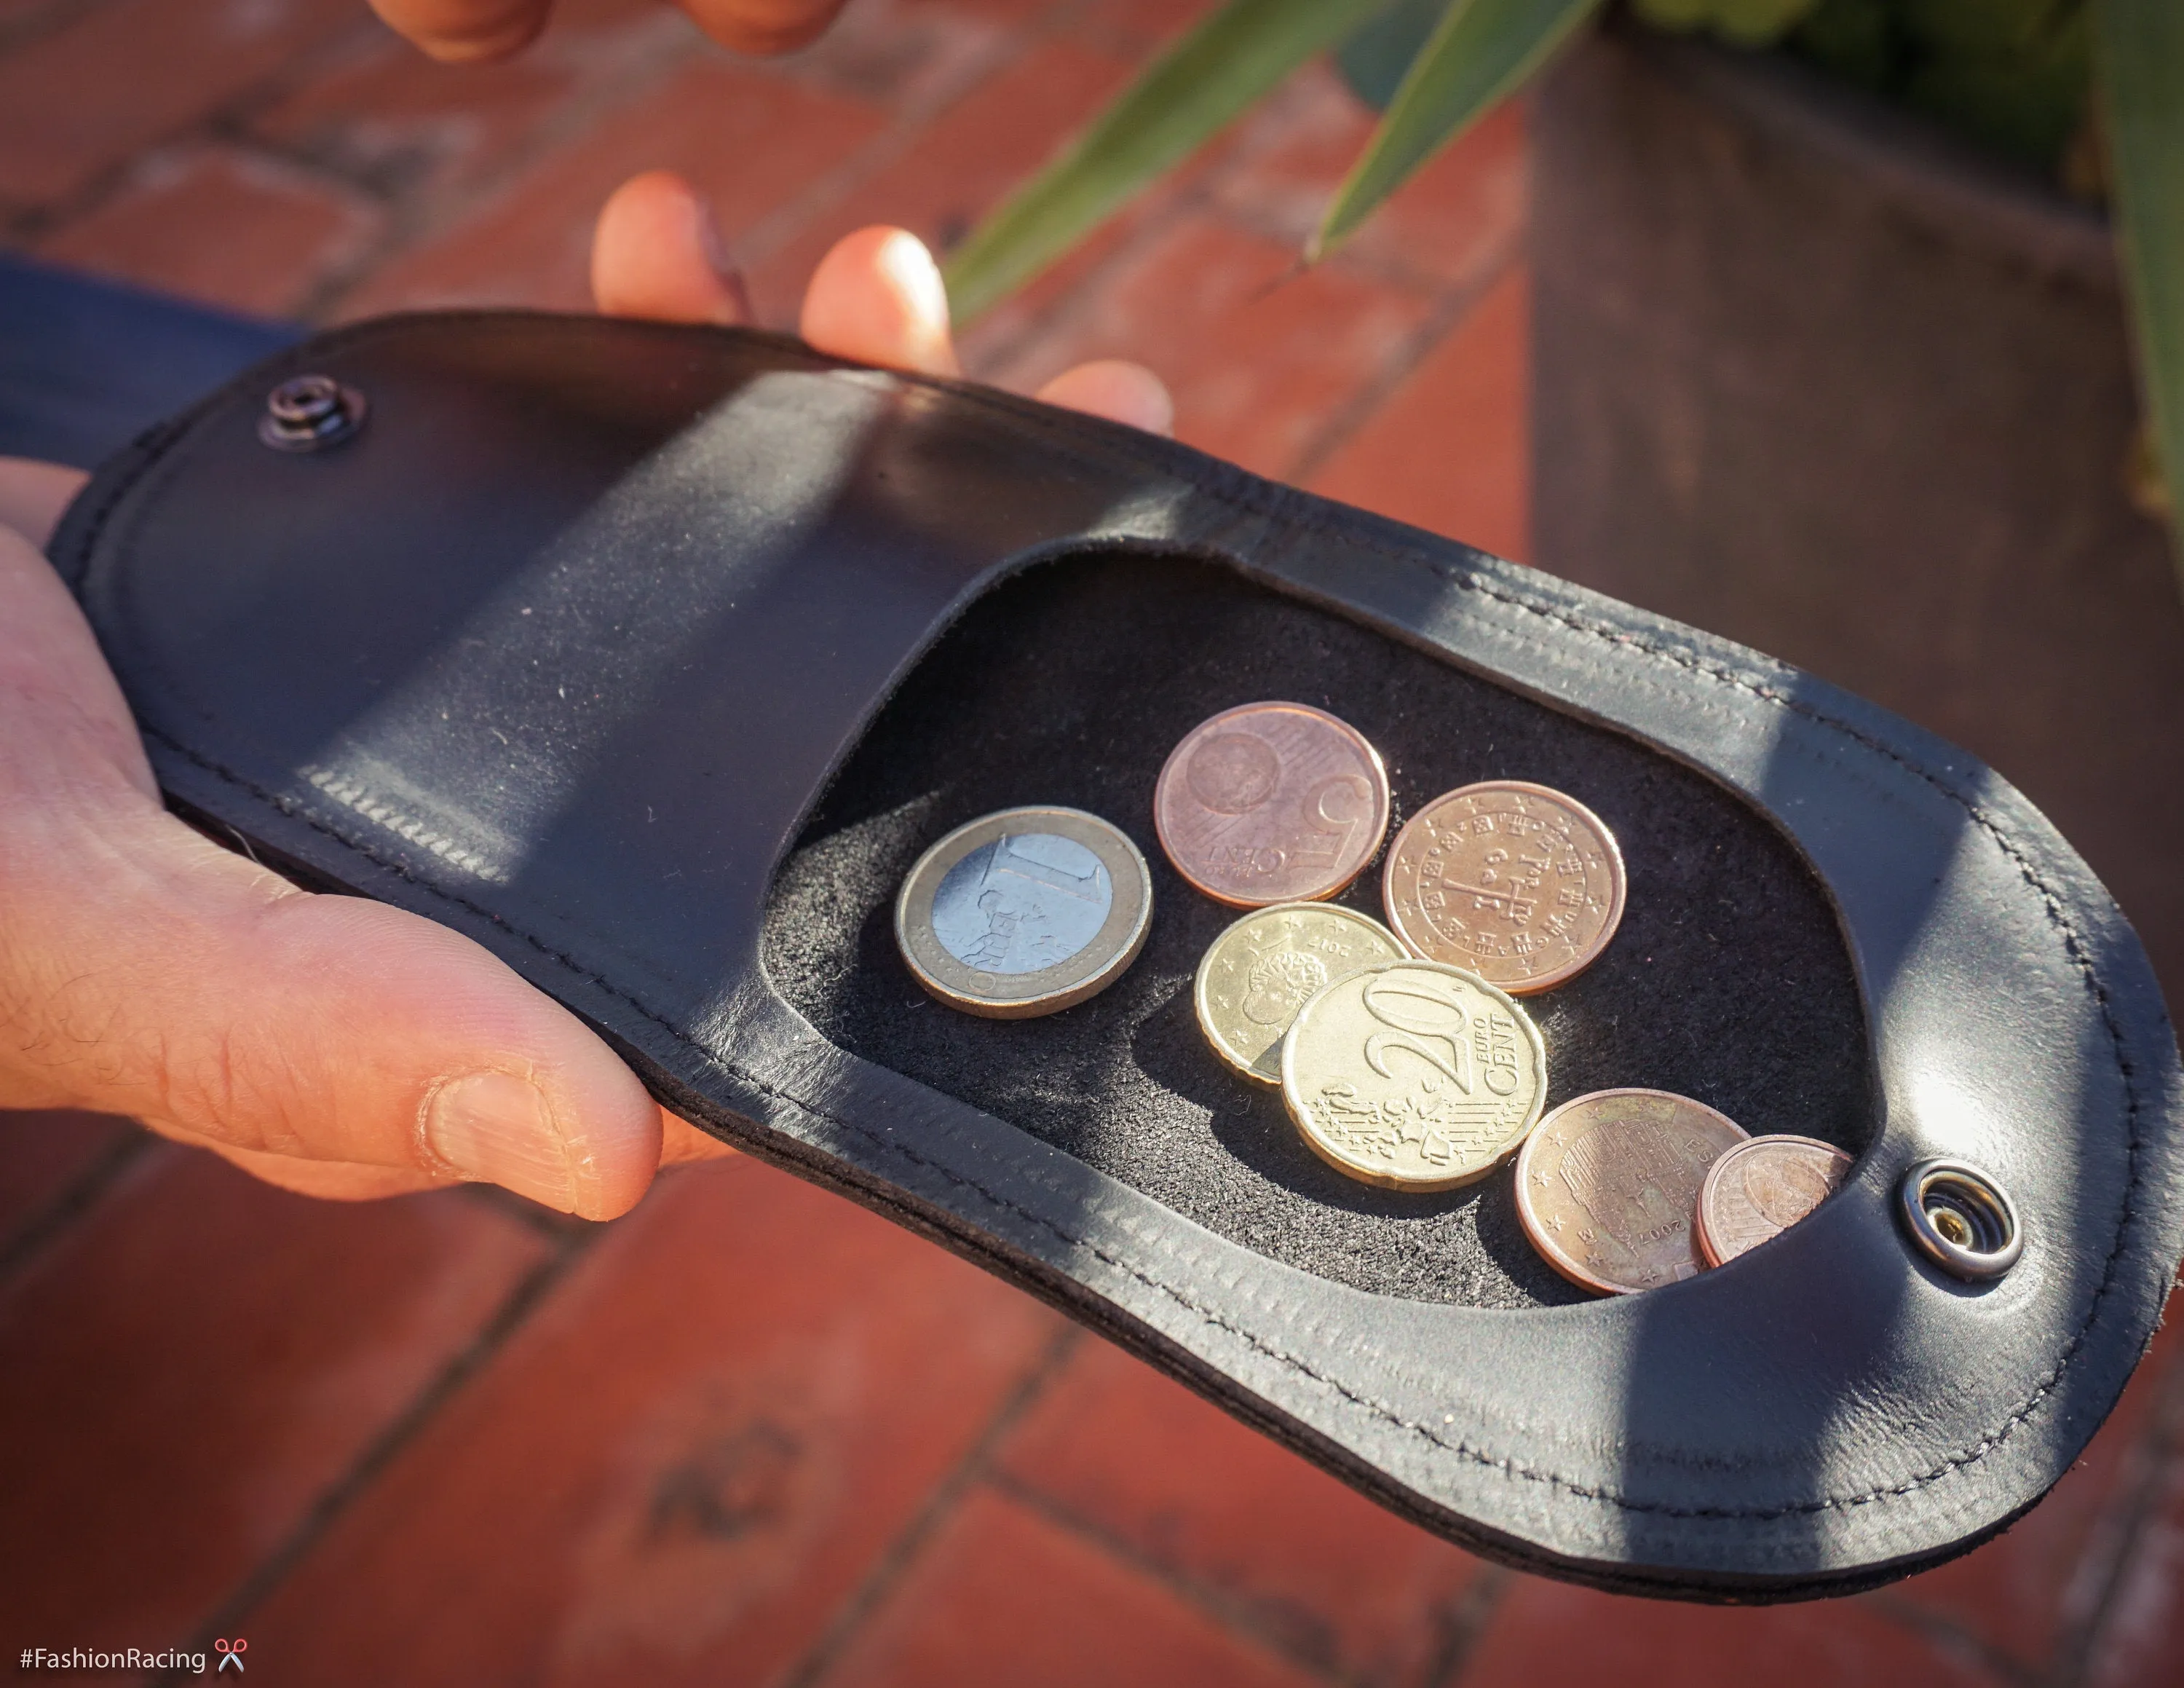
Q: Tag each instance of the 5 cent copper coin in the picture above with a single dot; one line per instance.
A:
(1521, 884)
(1608, 1184)
(1255, 975)
(1760, 1188)
(1413, 1075)
(1025, 912)
(1271, 802)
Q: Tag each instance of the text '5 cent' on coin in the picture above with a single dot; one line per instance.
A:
(1025, 912)
(1271, 802)
(1520, 883)
(1257, 975)
(1607, 1185)
(1413, 1075)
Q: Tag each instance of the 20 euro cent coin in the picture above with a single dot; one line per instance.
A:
(1413, 1075)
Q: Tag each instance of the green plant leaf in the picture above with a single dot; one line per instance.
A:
(1186, 97)
(1483, 49)
(2139, 61)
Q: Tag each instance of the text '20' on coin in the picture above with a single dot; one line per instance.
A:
(1258, 974)
(1608, 1184)
(1518, 883)
(1760, 1188)
(1271, 802)
(1413, 1075)
(1025, 912)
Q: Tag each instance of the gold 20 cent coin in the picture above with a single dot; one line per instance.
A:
(1608, 1186)
(1521, 884)
(1255, 975)
(1761, 1188)
(1413, 1075)
(1025, 912)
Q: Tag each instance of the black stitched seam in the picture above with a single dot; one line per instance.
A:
(1240, 493)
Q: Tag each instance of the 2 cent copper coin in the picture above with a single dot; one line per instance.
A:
(1271, 802)
(1760, 1188)
(1608, 1186)
(1521, 884)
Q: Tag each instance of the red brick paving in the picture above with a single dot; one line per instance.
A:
(239, 229)
(195, 1364)
(754, 1434)
(1137, 1459)
(1004, 1598)
(46, 1155)
(682, 1465)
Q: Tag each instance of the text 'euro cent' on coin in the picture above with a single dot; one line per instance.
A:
(1413, 1075)
(1518, 883)
(1257, 975)
(1025, 912)
(1608, 1186)
(1760, 1188)
(1271, 802)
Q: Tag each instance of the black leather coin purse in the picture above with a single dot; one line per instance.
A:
(651, 658)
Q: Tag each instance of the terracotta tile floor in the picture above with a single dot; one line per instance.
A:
(752, 1434)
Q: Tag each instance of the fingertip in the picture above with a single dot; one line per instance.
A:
(657, 254)
(877, 298)
(1116, 389)
(764, 27)
(466, 31)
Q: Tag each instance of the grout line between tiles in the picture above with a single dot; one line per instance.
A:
(1242, 1617)
(81, 1192)
(232, 1613)
(895, 1560)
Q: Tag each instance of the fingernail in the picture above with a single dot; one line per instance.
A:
(497, 1128)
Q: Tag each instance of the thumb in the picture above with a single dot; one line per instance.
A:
(144, 970)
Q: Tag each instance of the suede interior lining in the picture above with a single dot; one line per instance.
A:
(1727, 981)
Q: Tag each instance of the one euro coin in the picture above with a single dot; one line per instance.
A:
(1025, 912)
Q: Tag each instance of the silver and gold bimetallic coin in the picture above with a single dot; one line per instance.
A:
(1413, 1075)
(1255, 975)
(1518, 883)
(1607, 1188)
(1025, 912)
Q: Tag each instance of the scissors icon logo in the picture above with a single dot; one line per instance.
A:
(231, 1652)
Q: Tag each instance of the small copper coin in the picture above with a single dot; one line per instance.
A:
(1760, 1188)
(1271, 802)
(1519, 884)
(1608, 1184)
(1255, 977)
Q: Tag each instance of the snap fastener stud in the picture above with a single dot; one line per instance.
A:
(310, 412)
(1961, 1219)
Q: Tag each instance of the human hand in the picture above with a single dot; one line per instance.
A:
(331, 1044)
(469, 31)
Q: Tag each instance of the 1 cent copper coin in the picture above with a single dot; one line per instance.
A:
(1521, 884)
(1608, 1184)
(1271, 802)
(1760, 1188)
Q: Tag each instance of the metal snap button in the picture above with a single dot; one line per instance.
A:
(310, 412)
(1961, 1219)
